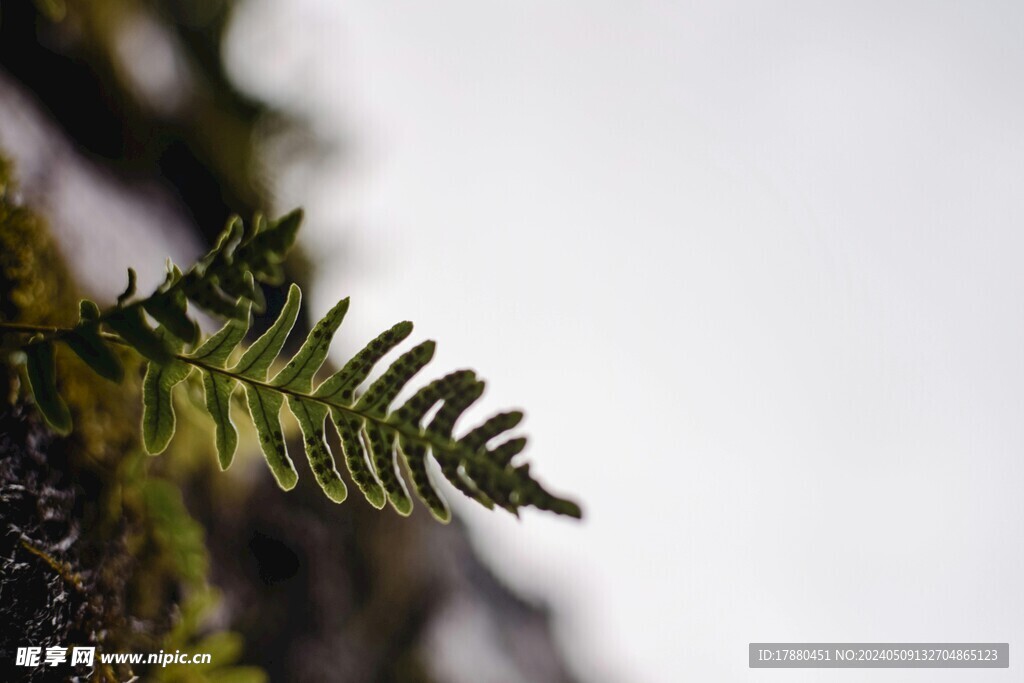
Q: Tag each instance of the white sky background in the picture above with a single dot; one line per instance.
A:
(754, 269)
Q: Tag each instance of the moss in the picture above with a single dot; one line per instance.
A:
(33, 279)
(102, 552)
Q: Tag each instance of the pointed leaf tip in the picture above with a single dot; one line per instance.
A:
(129, 291)
(88, 310)
(298, 373)
(255, 362)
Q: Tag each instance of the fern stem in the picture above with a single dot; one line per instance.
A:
(369, 409)
(381, 421)
(58, 332)
(416, 435)
(23, 328)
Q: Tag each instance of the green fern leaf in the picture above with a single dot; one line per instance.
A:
(225, 243)
(88, 311)
(384, 390)
(382, 454)
(257, 359)
(170, 309)
(133, 328)
(265, 409)
(129, 291)
(342, 384)
(415, 456)
(298, 373)
(310, 416)
(87, 345)
(216, 350)
(412, 411)
(207, 296)
(158, 417)
(383, 444)
(41, 367)
(265, 250)
(477, 438)
(241, 285)
(348, 428)
(264, 403)
(442, 426)
(503, 454)
(462, 393)
(218, 388)
(457, 390)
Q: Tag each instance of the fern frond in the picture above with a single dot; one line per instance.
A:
(380, 444)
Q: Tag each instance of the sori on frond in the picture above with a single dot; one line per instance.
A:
(377, 439)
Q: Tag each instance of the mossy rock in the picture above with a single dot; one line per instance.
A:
(97, 551)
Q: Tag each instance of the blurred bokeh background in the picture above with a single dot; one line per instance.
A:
(753, 269)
